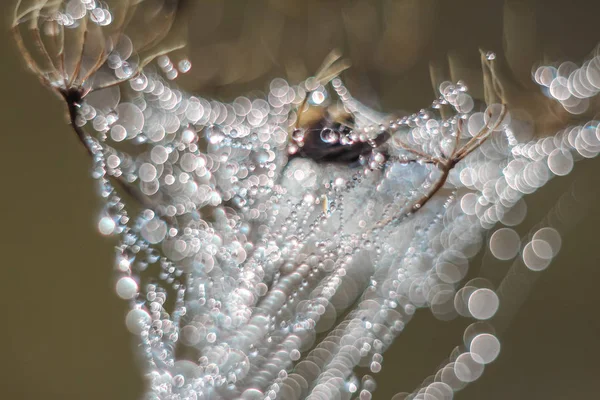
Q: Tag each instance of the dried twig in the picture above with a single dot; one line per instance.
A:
(445, 165)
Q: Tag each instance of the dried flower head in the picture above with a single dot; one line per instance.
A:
(76, 47)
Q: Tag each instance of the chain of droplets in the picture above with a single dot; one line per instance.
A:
(573, 86)
(340, 208)
(138, 318)
(217, 141)
(99, 13)
(375, 362)
(425, 132)
(154, 346)
(374, 324)
(225, 294)
(273, 358)
(466, 363)
(332, 205)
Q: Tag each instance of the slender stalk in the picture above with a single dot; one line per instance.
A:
(438, 185)
(73, 108)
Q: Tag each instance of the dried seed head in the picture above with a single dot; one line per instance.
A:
(82, 46)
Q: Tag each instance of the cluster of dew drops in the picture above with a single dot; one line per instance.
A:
(254, 275)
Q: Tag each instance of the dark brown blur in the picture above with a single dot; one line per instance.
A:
(62, 332)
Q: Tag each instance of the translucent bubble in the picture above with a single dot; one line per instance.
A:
(375, 367)
(483, 304)
(184, 66)
(106, 225)
(468, 203)
(448, 376)
(137, 320)
(486, 346)
(154, 231)
(279, 87)
(560, 162)
(131, 118)
(147, 172)
(329, 136)
(547, 75)
(365, 395)
(118, 133)
(76, 9)
(451, 266)
(576, 106)
(139, 83)
(188, 136)
(190, 335)
(159, 154)
(476, 123)
(188, 162)
(461, 300)
(465, 103)
(113, 161)
(566, 68)
(127, 288)
(317, 97)
(593, 72)
(505, 244)
(294, 355)
(550, 236)
(172, 74)
(516, 214)
(163, 61)
(559, 89)
(468, 367)
(542, 249)
(155, 133)
(532, 260)
(438, 391)
(467, 177)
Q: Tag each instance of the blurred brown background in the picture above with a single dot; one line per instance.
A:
(62, 334)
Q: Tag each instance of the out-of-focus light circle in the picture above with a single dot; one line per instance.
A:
(127, 288)
(532, 260)
(505, 244)
(542, 249)
(317, 97)
(483, 304)
(468, 367)
(106, 225)
(468, 203)
(486, 346)
(147, 172)
(137, 320)
(515, 215)
(550, 236)
(560, 162)
(438, 391)
(118, 133)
